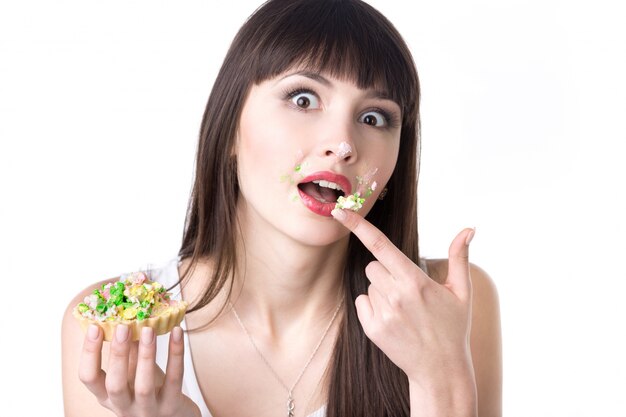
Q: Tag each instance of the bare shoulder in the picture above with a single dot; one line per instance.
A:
(484, 291)
(485, 337)
(485, 305)
(438, 270)
(76, 398)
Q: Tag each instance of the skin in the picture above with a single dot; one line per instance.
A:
(443, 332)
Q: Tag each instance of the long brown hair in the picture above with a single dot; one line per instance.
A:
(350, 40)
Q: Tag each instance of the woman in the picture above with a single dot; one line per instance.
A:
(292, 314)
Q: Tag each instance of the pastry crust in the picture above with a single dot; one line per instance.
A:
(134, 301)
(162, 324)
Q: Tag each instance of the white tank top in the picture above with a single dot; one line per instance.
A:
(168, 276)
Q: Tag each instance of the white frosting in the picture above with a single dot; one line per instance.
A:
(343, 150)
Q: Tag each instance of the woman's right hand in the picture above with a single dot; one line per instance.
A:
(136, 386)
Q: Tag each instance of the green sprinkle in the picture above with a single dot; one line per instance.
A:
(141, 315)
(298, 168)
(82, 307)
(352, 202)
(101, 308)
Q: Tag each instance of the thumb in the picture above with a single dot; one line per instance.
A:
(364, 311)
(458, 279)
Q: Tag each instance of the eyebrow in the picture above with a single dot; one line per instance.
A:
(313, 76)
(377, 94)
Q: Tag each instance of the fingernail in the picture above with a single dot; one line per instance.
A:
(93, 331)
(470, 236)
(147, 335)
(177, 334)
(338, 214)
(121, 333)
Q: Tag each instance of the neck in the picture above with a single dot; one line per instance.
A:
(282, 284)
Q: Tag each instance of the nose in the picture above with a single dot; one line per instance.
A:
(343, 151)
(338, 133)
(340, 145)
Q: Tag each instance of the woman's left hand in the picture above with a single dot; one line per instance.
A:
(421, 325)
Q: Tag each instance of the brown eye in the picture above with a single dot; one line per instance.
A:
(374, 118)
(305, 100)
(370, 120)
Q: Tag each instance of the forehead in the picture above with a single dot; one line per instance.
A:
(349, 40)
(375, 90)
(342, 62)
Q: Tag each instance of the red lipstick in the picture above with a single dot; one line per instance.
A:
(313, 200)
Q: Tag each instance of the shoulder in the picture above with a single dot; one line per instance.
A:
(485, 301)
(438, 270)
(485, 336)
(484, 291)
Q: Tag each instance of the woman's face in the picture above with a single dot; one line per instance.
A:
(303, 140)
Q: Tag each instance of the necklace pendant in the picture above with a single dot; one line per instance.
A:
(290, 407)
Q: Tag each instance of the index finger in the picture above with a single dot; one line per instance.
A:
(392, 258)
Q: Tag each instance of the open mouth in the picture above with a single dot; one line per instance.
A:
(322, 190)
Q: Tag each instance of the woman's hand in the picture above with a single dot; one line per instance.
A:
(422, 326)
(134, 385)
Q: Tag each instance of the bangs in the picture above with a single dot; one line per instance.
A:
(348, 40)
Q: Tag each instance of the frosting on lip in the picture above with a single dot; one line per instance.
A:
(323, 208)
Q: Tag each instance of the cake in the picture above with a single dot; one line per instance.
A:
(135, 301)
(352, 202)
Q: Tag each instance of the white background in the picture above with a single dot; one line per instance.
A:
(523, 137)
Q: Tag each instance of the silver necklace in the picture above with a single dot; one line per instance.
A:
(290, 401)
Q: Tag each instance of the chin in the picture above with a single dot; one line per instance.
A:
(316, 232)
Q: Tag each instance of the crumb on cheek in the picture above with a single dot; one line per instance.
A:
(295, 172)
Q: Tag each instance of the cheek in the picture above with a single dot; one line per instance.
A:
(381, 161)
(269, 156)
(388, 165)
(260, 143)
(389, 162)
